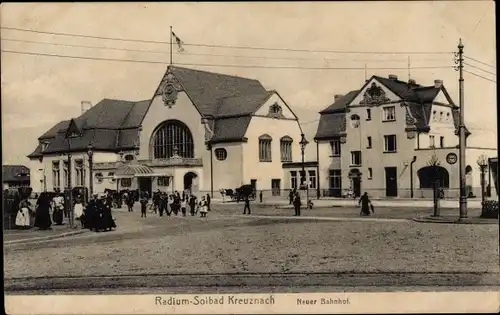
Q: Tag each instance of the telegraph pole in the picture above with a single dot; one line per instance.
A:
(462, 136)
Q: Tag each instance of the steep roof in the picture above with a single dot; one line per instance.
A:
(15, 173)
(418, 99)
(242, 104)
(207, 89)
(341, 103)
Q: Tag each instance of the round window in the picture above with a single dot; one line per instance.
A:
(220, 154)
(98, 177)
(129, 157)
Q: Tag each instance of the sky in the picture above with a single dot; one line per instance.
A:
(39, 91)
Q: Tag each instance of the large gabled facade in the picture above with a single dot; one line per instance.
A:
(382, 138)
(201, 131)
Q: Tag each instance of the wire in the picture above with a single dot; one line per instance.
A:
(198, 54)
(465, 63)
(224, 46)
(215, 65)
(480, 76)
(484, 63)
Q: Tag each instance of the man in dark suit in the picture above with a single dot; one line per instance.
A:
(296, 204)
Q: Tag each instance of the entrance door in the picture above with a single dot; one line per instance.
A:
(276, 186)
(253, 182)
(191, 183)
(391, 182)
(145, 185)
(356, 186)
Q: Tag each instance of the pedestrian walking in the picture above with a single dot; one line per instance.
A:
(183, 206)
(170, 203)
(192, 205)
(42, 212)
(247, 205)
(203, 208)
(144, 206)
(78, 208)
(296, 204)
(58, 208)
(366, 204)
(24, 214)
(291, 195)
(208, 202)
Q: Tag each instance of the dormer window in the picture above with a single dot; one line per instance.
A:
(45, 145)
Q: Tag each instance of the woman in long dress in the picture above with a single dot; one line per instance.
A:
(57, 214)
(23, 218)
(42, 212)
(78, 208)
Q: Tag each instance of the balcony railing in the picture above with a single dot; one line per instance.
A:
(174, 161)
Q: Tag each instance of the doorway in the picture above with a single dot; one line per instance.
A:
(391, 181)
(356, 186)
(191, 182)
(145, 185)
(276, 187)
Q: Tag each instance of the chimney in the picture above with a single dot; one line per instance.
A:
(85, 106)
(393, 77)
(438, 83)
(338, 97)
(412, 82)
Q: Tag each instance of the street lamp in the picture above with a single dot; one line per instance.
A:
(303, 143)
(482, 162)
(90, 153)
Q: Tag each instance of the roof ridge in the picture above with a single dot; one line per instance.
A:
(214, 73)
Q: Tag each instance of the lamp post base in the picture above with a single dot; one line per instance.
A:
(463, 208)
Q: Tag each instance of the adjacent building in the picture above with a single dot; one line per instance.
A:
(200, 131)
(392, 138)
(15, 176)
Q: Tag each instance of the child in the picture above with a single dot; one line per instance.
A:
(183, 206)
(203, 208)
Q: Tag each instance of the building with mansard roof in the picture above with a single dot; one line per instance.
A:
(200, 131)
(384, 137)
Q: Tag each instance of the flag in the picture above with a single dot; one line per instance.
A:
(179, 42)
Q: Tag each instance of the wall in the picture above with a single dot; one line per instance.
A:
(183, 110)
(326, 163)
(228, 174)
(263, 172)
(441, 126)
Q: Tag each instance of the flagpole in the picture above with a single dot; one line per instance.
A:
(170, 45)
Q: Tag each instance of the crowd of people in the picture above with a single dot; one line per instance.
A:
(170, 204)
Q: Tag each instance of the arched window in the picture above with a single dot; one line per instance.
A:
(265, 152)
(355, 120)
(171, 138)
(286, 149)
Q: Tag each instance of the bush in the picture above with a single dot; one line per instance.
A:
(490, 209)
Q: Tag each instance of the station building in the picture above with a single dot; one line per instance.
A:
(393, 138)
(200, 131)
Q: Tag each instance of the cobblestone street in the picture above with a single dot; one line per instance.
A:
(225, 245)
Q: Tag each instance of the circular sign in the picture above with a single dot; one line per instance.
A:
(451, 158)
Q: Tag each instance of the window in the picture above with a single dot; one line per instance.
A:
(390, 143)
(98, 177)
(265, 148)
(370, 173)
(447, 117)
(44, 146)
(335, 179)
(111, 176)
(79, 173)
(173, 138)
(355, 121)
(441, 142)
(390, 113)
(163, 181)
(65, 174)
(293, 179)
(368, 114)
(275, 109)
(369, 145)
(302, 177)
(434, 115)
(432, 143)
(286, 149)
(126, 182)
(129, 157)
(441, 116)
(312, 179)
(220, 154)
(56, 175)
(356, 158)
(335, 146)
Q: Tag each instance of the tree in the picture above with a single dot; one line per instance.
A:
(482, 162)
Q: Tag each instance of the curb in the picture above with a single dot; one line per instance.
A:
(455, 220)
(361, 219)
(43, 238)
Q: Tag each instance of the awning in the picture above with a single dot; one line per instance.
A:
(137, 170)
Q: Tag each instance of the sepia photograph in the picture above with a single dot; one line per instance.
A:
(249, 157)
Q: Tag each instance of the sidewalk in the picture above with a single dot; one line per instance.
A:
(34, 234)
(325, 203)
